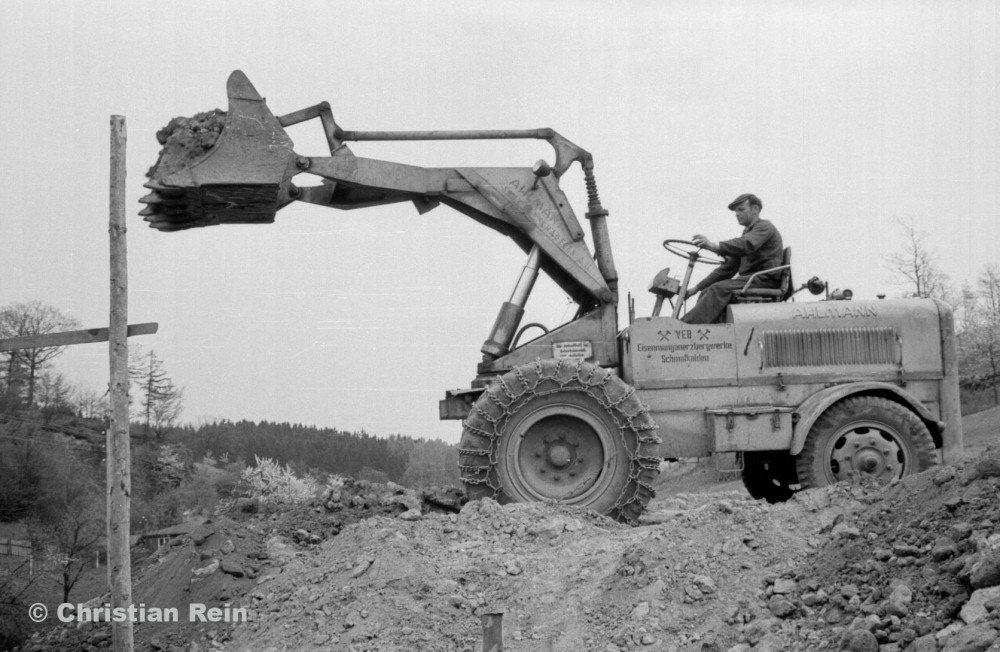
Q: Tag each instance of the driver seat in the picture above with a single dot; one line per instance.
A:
(769, 295)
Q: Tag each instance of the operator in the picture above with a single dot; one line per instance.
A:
(759, 248)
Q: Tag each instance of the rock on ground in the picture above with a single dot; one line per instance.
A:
(368, 567)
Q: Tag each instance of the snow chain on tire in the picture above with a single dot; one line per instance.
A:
(484, 428)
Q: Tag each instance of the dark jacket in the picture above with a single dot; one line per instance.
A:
(759, 248)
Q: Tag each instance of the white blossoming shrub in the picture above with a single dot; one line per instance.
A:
(271, 483)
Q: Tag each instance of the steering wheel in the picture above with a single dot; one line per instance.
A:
(692, 252)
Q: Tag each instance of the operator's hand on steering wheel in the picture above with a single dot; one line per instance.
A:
(704, 243)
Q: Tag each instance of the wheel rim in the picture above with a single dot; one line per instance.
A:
(867, 448)
(560, 452)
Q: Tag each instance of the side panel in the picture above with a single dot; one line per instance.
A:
(717, 386)
(681, 371)
(838, 341)
(593, 335)
(666, 352)
(686, 426)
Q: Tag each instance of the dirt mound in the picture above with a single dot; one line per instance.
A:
(565, 579)
(919, 566)
(225, 558)
(911, 566)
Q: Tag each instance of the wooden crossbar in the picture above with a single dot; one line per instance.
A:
(86, 336)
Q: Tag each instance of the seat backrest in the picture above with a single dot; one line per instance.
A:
(783, 292)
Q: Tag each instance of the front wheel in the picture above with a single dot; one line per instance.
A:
(866, 436)
(566, 432)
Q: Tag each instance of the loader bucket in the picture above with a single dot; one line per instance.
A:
(234, 178)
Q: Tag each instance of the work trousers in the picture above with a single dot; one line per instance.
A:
(712, 302)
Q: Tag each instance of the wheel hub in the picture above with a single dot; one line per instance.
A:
(869, 450)
(559, 453)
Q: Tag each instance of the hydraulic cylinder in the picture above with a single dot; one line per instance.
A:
(512, 311)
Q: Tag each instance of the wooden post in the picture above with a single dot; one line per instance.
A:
(118, 456)
(492, 632)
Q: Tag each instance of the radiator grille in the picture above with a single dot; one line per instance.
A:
(830, 346)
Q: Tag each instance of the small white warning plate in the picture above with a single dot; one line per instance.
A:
(574, 351)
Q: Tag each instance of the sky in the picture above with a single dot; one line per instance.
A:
(844, 117)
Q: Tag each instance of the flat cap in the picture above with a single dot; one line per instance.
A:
(754, 201)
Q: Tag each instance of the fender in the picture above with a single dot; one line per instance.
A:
(807, 413)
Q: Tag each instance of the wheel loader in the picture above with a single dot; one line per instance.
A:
(794, 394)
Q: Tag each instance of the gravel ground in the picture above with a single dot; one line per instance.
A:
(913, 566)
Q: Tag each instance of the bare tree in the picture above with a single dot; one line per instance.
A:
(15, 588)
(161, 401)
(91, 404)
(989, 289)
(23, 367)
(70, 516)
(54, 392)
(979, 339)
(915, 263)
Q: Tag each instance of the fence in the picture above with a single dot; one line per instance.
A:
(15, 548)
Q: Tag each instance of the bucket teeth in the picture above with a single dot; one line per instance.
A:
(161, 191)
(187, 208)
(157, 201)
(167, 210)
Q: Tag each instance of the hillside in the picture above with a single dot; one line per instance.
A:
(915, 566)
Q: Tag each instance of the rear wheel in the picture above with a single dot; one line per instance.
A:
(566, 432)
(769, 475)
(866, 436)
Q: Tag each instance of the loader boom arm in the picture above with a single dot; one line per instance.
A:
(248, 176)
(528, 209)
